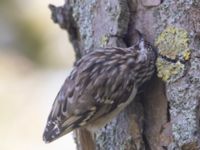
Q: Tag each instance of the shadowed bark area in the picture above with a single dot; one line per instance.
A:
(165, 114)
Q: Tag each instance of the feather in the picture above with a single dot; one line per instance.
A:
(101, 84)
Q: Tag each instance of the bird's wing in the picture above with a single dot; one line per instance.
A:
(99, 81)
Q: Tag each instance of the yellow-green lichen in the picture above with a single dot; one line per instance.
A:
(186, 55)
(104, 40)
(167, 69)
(173, 44)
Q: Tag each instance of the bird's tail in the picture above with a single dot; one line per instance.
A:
(84, 139)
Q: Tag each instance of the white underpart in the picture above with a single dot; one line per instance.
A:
(143, 51)
(106, 119)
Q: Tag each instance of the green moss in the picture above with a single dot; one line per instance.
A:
(172, 43)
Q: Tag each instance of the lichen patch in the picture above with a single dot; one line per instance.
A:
(173, 46)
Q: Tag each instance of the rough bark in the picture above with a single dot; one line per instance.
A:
(165, 115)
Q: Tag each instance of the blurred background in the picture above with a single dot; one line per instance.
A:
(35, 58)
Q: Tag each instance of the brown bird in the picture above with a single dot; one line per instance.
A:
(101, 84)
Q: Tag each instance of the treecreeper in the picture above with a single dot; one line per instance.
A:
(101, 84)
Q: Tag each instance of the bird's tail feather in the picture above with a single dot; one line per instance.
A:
(84, 139)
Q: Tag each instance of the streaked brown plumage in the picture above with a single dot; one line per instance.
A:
(101, 84)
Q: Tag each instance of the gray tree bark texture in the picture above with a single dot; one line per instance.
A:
(165, 115)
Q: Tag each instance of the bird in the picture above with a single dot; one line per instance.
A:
(101, 84)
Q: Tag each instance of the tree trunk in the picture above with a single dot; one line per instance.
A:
(165, 115)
